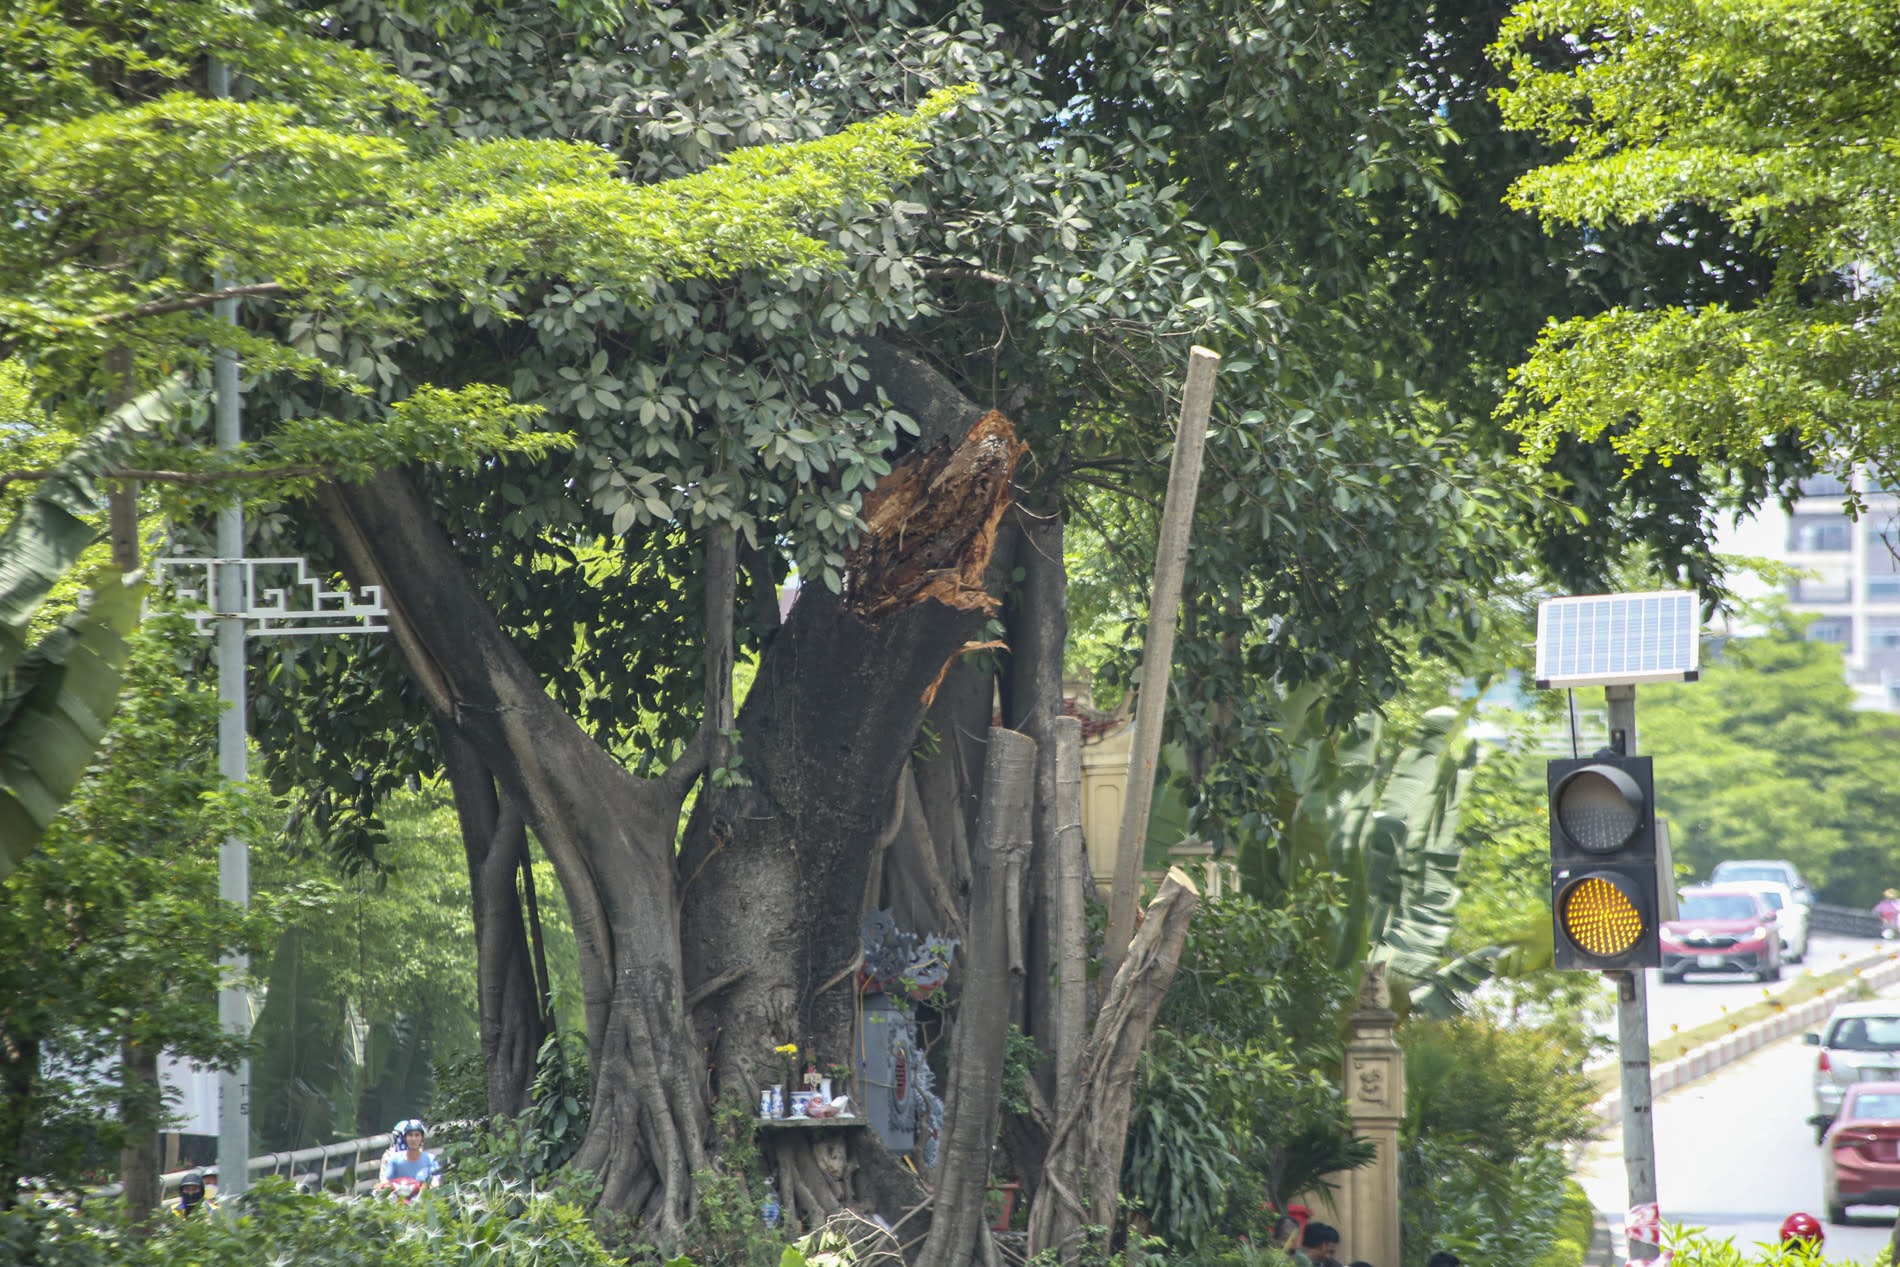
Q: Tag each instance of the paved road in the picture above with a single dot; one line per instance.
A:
(1734, 1154)
(1699, 999)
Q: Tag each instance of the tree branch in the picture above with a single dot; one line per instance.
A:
(196, 478)
(160, 307)
(970, 275)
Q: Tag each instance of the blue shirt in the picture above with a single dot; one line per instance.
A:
(398, 1166)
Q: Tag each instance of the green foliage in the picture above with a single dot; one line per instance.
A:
(1021, 1055)
(470, 1224)
(1489, 1111)
(1234, 1103)
(726, 1227)
(363, 996)
(1697, 1248)
(112, 932)
(1768, 117)
(1766, 757)
(1381, 817)
(58, 691)
(1503, 915)
(1576, 1228)
(529, 1149)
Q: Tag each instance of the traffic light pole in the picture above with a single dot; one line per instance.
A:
(1632, 1023)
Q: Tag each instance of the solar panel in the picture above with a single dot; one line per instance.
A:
(1618, 639)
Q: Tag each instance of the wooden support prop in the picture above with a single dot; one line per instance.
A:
(1151, 704)
(1082, 1175)
(974, 1106)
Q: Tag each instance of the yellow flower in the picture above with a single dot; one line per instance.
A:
(788, 1049)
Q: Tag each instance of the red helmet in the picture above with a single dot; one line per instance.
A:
(1802, 1227)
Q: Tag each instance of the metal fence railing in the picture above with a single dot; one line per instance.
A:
(1843, 921)
(356, 1163)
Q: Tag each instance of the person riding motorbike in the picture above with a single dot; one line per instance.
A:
(191, 1193)
(408, 1167)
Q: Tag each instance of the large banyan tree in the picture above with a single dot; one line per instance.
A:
(852, 467)
(897, 441)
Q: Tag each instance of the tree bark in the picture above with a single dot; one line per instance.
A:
(140, 1105)
(122, 500)
(1071, 917)
(755, 919)
(609, 835)
(495, 843)
(1037, 621)
(776, 871)
(1082, 1178)
(990, 982)
(19, 1076)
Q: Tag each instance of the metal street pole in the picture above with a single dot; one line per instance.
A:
(1632, 1023)
(234, 862)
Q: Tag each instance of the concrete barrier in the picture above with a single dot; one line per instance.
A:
(1877, 969)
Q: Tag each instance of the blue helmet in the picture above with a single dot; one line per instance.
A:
(398, 1134)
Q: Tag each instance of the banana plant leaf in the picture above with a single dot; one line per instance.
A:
(1384, 822)
(55, 525)
(54, 709)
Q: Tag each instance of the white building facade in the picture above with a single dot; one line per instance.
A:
(1853, 583)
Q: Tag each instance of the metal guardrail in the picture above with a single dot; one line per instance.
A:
(1845, 921)
(364, 1165)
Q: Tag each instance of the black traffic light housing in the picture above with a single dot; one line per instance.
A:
(1604, 885)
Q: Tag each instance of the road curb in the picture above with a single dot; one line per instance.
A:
(1879, 969)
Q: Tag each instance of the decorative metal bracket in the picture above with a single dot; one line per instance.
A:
(266, 607)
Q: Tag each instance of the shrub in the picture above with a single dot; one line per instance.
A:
(1489, 1110)
(469, 1225)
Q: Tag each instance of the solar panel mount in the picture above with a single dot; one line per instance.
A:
(1618, 639)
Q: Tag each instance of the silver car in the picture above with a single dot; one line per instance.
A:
(1860, 1043)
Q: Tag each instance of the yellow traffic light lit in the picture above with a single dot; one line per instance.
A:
(1600, 918)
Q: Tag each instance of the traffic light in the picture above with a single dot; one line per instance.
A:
(1604, 892)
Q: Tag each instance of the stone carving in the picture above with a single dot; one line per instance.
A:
(1370, 1082)
(831, 1156)
(1374, 995)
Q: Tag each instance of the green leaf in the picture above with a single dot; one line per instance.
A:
(54, 711)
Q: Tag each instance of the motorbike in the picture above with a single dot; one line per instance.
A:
(401, 1189)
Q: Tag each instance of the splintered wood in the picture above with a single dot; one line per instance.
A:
(930, 524)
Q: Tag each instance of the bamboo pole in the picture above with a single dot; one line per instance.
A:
(1151, 704)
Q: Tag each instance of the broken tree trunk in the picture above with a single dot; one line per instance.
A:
(1082, 1175)
(1157, 653)
(1071, 948)
(990, 976)
(775, 872)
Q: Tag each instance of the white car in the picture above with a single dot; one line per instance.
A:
(1777, 870)
(1791, 916)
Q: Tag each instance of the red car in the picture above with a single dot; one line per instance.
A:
(1860, 1154)
(1721, 930)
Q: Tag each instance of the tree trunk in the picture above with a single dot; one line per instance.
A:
(1038, 634)
(1071, 916)
(609, 835)
(1082, 1177)
(141, 1104)
(752, 928)
(776, 872)
(19, 1077)
(495, 842)
(992, 973)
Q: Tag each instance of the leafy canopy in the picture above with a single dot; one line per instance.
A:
(1779, 117)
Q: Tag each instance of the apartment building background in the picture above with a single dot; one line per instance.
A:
(1853, 582)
